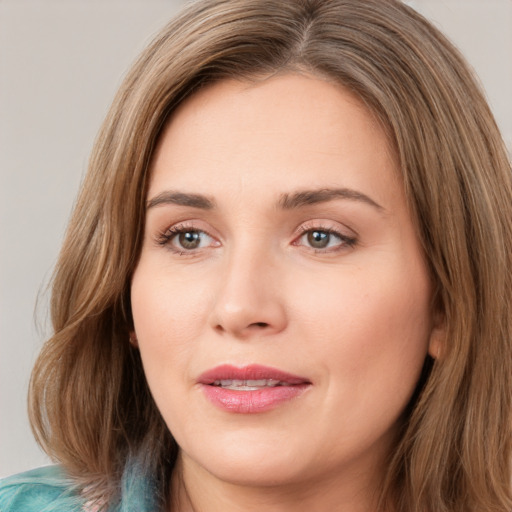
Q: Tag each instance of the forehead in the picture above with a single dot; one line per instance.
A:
(286, 131)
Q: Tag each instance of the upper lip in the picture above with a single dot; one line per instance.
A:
(250, 372)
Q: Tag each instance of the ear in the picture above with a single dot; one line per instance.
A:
(437, 341)
(133, 339)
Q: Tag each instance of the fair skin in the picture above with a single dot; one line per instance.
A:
(241, 270)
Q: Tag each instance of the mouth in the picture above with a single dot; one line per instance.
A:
(248, 385)
(250, 389)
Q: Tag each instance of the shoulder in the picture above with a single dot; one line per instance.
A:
(46, 489)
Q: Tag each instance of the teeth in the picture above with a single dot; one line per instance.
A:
(262, 382)
(247, 385)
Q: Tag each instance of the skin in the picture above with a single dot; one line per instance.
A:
(353, 318)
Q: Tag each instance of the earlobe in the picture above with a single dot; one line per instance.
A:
(133, 339)
(437, 342)
(435, 347)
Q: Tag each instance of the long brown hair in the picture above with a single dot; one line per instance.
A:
(89, 402)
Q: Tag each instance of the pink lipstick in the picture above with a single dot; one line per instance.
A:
(250, 389)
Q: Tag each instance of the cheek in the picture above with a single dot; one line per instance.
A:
(370, 329)
(169, 317)
(367, 336)
(166, 303)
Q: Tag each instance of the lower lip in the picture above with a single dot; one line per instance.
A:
(250, 402)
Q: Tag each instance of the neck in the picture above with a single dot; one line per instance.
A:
(196, 490)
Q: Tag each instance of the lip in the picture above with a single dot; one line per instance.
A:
(251, 401)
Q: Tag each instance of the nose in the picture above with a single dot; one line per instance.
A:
(249, 302)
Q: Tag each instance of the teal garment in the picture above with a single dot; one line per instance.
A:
(48, 489)
(40, 490)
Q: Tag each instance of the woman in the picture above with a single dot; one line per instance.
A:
(286, 281)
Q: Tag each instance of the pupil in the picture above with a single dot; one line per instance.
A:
(189, 239)
(318, 239)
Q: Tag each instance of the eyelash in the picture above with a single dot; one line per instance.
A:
(165, 238)
(346, 242)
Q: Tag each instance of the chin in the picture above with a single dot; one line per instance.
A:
(255, 463)
(263, 473)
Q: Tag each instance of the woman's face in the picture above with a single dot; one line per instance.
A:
(281, 302)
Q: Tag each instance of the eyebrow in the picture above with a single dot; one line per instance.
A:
(322, 195)
(286, 201)
(181, 199)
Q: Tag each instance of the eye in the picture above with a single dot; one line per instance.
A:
(325, 240)
(182, 239)
(190, 240)
(319, 239)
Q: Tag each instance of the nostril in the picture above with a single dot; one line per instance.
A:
(256, 325)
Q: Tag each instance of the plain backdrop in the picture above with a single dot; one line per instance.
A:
(60, 64)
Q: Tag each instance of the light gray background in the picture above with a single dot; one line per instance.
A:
(60, 64)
